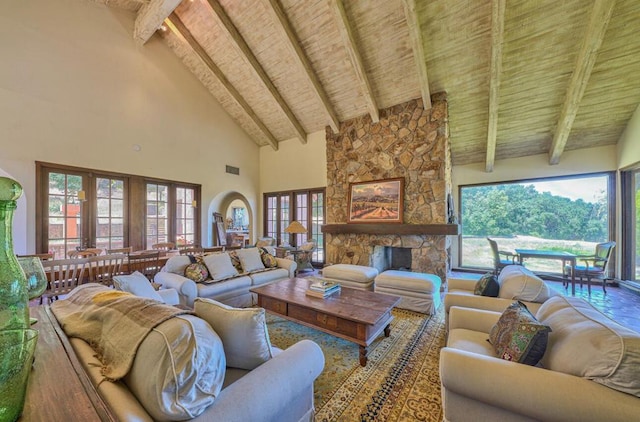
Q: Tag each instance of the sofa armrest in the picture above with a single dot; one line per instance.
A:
(472, 319)
(289, 265)
(495, 304)
(170, 296)
(461, 284)
(185, 287)
(530, 391)
(268, 392)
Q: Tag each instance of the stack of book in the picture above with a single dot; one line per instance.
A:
(322, 288)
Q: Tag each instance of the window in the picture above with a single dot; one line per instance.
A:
(81, 208)
(308, 208)
(563, 213)
(630, 180)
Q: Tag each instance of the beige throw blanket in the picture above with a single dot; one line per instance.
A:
(114, 323)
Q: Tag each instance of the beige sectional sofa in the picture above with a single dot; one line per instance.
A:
(590, 370)
(232, 290)
(516, 283)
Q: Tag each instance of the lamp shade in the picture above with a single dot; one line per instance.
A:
(295, 227)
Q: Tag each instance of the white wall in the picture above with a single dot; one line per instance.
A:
(629, 142)
(76, 90)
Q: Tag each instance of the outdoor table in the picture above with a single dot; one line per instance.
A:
(565, 257)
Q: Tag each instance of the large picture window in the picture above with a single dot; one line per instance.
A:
(571, 214)
(630, 180)
(81, 208)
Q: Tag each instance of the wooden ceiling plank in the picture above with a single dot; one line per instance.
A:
(150, 18)
(596, 29)
(284, 26)
(497, 39)
(244, 48)
(417, 44)
(350, 45)
(178, 27)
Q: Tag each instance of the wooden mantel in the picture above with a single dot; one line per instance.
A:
(390, 228)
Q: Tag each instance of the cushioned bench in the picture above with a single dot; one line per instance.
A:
(348, 275)
(419, 292)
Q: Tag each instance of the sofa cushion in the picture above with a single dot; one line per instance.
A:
(518, 283)
(136, 284)
(250, 259)
(588, 344)
(197, 270)
(219, 266)
(487, 286)
(268, 259)
(268, 276)
(178, 370)
(243, 332)
(518, 336)
(177, 264)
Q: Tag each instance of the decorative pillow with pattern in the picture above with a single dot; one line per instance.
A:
(268, 260)
(235, 260)
(518, 336)
(197, 270)
(487, 286)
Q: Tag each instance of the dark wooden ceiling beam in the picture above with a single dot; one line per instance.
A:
(177, 27)
(245, 50)
(350, 45)
(286, 30)
(596, 29)
(417, 43)
(497, 39)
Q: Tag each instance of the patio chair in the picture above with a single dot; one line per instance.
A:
(498, 262)
(595, 266)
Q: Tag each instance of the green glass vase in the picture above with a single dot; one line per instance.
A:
(14, 295)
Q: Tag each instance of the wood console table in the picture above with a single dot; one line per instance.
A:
(59, 389)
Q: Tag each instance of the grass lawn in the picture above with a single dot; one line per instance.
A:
(476, 252)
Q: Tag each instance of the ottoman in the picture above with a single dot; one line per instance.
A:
(348, 275)
(419, 292)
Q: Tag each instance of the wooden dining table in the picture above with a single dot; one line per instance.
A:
(565, 257)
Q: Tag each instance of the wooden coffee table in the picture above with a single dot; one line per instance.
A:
(354, 315)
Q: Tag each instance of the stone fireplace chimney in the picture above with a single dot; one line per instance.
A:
(408, 142)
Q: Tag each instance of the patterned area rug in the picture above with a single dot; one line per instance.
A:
(400, 381)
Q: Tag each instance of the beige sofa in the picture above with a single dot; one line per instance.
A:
(590, 370)
(516, 283)
(233, 290)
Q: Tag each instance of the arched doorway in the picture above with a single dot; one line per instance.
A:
(226, 204)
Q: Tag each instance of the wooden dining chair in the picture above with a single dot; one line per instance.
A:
(102, 268)
(498, 261)
(191, 251)
(125, 251)
(164, 246)
(595, 266)
(64, 275)
(145, 262)
(42, 256)
(84, 253)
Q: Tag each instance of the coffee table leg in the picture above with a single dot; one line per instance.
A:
(364, 351)
(387, 330)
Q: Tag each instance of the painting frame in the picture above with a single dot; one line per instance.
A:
(365, 201)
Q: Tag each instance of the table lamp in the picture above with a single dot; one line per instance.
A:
(295, 228)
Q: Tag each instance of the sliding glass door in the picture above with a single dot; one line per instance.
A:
(630, 181)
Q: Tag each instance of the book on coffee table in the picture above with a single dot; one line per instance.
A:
(322, 295)
(321, 285)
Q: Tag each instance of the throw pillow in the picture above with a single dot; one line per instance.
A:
(220, 266)
(250, 259)
(197, 270)
(268, 260)
(235, 260)
(243, 332)
(136, 284)
(518, 336)
(487, 286)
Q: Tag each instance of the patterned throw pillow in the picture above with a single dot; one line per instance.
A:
(487, 286)
(235, 260)
(196, 271)
(518, 336)
(268, 260)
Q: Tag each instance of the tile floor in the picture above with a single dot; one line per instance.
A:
(618, 303)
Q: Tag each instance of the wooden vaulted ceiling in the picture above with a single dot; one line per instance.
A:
(522, 77)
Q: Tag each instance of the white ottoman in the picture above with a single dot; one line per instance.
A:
(419, 292)
(348, 275)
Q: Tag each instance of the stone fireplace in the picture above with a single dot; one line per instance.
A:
(408, 142)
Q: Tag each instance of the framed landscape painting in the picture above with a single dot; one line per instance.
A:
(377, 201)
